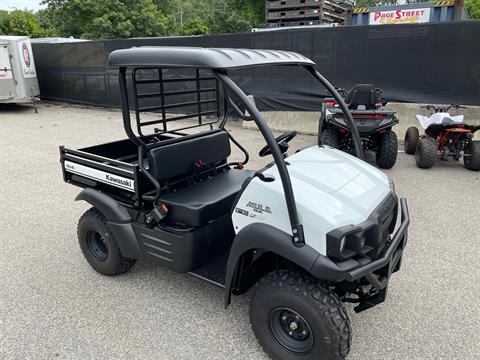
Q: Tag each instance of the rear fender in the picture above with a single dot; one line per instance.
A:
(267, 238)
(119, 220)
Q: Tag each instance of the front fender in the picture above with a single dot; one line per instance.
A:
(118, 219)
(269, 238)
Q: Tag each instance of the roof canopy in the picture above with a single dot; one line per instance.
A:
(196, 57)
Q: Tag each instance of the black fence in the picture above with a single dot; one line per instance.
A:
(423, 63)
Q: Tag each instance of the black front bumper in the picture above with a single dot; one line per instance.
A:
(377, 272)
(391, 256)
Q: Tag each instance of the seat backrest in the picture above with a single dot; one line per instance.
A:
(362, 94)
(188, 155)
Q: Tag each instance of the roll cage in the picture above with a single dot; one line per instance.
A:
(219, 62)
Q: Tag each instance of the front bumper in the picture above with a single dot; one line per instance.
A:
(377, 272)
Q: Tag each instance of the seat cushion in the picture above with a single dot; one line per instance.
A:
(179, 158)
(207, 200)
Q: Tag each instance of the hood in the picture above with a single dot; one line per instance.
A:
(329, 169)
(332, 189)
(334, 186)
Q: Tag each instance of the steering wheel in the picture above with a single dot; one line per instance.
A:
(282, 142)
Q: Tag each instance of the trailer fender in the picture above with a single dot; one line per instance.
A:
(267, 238)
(119, 221)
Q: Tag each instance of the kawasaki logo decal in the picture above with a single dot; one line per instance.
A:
(102, 176)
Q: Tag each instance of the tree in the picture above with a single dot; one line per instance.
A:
(103, 19)
(20, 22)
(473, 8)
(4, 26)
(194, 27)
(99, 19)
(219, 16)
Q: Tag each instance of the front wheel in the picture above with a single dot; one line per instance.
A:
(387, 150)
(472, 160)
(411, 140)
(294, 318)
(99, 245)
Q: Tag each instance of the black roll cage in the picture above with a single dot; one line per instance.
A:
(231, 87)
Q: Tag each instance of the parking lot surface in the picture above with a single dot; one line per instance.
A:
(53, 305)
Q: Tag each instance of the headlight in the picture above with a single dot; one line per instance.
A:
(346, 244)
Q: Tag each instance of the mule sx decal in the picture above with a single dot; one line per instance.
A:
(259, 208)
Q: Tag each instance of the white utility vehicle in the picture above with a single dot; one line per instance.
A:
(310, 230)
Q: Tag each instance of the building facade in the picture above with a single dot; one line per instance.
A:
(409, 13)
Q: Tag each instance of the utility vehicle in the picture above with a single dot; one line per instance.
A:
(310, 230)
(373, 121)
(445, 136)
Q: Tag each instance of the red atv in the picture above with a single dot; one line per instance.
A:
(373, 121)
(445, 136)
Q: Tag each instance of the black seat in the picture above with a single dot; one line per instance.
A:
(183, 156)
(207, 200)
(362, 94)
(211, 192)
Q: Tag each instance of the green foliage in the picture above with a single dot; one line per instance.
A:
(473, 8)
(96, 19)
(20, 22)
(194, 26)
(220, 16)
(107, 19)
(4, 23)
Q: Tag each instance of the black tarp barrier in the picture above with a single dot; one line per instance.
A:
(422, 63)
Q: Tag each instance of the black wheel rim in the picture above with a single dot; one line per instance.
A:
(97, 245)
(291, 330)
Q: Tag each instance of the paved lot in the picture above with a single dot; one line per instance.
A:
(53, 305)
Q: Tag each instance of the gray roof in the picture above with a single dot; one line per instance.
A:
(178, 56)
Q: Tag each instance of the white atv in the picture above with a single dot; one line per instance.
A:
(445, 136)
(310, 231)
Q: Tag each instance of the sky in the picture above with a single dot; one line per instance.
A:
(20, 4)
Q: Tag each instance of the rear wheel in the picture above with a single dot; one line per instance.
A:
(99, 246)
(472, 161)
(411, 140)
(294, 317)
(426, 152)
(387, 150)
(329, 137)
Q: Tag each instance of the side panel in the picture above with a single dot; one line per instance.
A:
(183, 251)
(99, 175)
(7, 81)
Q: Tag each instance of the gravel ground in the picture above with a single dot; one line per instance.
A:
(53, 305)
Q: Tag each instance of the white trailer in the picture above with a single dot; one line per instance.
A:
(18, 77)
